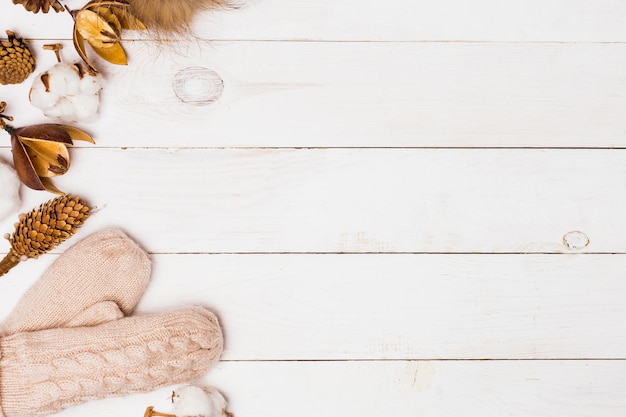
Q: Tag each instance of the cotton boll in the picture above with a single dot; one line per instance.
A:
(193, 401)
(91, 84)
(9, 191)
(68, 93)
(64, 79)
(62, 110)
(86, 107)
(42, 97)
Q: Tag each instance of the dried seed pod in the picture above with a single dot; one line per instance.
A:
(36, 5)
(40, 152)
(43, 228)
(16, 60)
(100, 24)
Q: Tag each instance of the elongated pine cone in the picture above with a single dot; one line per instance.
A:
(16, 60)
(43, 5)
(43, 228)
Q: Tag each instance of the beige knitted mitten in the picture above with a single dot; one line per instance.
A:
(99, 279)
(45, 371)
(68, 340)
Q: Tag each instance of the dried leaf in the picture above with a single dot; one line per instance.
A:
(77, 134)
(40, 152)
(50, 187)
(122, 11)
(45, 131)
(107, 14)
(114, 54)
(49, 159)
(79, 44)
(127, 20)
(23, 167)
(100, 24)
(95, 29)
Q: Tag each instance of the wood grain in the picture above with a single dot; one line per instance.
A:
(360, 95)
(402, 388)
(403, 306)
(354, 200)
(373, 307)
(396, 208)
(371, 20)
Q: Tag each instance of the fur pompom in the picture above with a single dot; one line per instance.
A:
(172, 16)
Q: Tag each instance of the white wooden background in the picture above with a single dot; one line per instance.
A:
(388, 206)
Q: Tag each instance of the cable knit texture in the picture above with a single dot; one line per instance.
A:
(100, 278)
(44, 371)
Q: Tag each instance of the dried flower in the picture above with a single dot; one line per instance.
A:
(100, 23)
(67, 92)
(40, 151)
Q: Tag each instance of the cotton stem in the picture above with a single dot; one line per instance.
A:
(151, 413)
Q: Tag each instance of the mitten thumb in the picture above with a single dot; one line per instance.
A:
(45, 371)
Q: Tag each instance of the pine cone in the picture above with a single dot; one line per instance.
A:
(16, 60)
(43, 228)
(35, 5)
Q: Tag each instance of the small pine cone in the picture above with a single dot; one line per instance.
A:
(16, 60)
(43, 5)
(43, 228)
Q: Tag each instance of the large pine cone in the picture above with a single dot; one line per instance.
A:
(16, 60)
(43, 228)
(43, 5)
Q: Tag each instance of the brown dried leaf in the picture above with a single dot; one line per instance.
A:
(49, 186)
(100, 23)
(23, 167)
(79, 45)
(77, 134)
(45, 131)
(114, 54)
(127, 20)
(111, 18)
(48, 159)
(95, 29)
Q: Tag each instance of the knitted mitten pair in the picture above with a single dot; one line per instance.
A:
(70, 338)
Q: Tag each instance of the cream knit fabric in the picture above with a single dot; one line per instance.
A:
(100, 278)
(68, 340)
(45, 371)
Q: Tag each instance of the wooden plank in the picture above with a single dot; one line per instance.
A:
(360, 94)
(403, 306)
(374, 389)
(355, 200)
(394, 20)
(364, 307)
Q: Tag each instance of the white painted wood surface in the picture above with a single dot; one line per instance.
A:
(363, 94)
(388, 207)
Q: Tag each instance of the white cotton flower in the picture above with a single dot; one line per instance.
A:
(68, 93)
(64, 80)
(9, 191)
(91, 85)
(193, 401)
